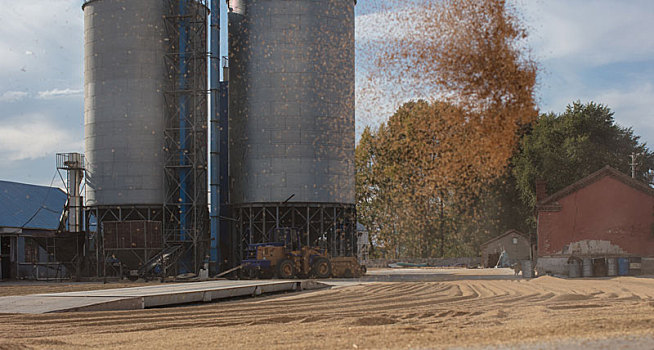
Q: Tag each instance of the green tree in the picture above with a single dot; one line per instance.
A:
(564, 148)
(368, 210)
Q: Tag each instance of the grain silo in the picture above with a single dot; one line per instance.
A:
(145, 93)
(291, 121)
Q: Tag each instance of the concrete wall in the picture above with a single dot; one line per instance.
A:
(552, 265)
(519, 251)
(605, 218)
(647, 266)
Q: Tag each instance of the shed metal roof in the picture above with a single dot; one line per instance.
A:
(30, 206)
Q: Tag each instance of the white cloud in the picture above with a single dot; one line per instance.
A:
(33, 136)
(595, 51)
(37, 36)
(54, 93)
(590, 33)
(632, 107)
(13, 96)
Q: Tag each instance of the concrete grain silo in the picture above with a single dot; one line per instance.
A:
(291, 121)
(145, 117)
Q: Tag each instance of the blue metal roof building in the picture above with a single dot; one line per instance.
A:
(30, 207)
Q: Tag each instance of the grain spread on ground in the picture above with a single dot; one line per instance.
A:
(399, 315)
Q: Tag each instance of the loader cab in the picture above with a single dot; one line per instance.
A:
(289, 236)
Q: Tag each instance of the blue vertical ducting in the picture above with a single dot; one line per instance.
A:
(181, 88)
(223, 234)
(215, 156)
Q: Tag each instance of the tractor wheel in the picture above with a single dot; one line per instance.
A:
(348, 273)
(285, 269)
(321, 268)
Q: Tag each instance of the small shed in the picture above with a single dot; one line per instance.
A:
(30, 216)
(514, 243)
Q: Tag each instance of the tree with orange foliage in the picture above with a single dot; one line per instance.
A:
(433, 157)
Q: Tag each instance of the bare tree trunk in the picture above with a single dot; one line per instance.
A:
(441, 214)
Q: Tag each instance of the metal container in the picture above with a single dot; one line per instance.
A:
(291, 101)
(635, 266)
(527, 269)
(600, 268)
(587, 267)
(574, 269)
(623, 266)
(612, 266)
(124, 80)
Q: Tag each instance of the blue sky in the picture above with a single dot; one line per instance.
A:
(600, 50)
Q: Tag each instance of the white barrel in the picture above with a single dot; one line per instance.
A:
(574, 270)
(527, 269)
(612, 264)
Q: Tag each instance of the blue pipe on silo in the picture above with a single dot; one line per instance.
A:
(214, 85)
(224, 246)
(183, 170)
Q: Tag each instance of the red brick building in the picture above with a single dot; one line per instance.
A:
(607, 214)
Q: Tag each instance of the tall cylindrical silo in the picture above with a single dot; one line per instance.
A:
(146, 128)
(291, 118)
(124, 79)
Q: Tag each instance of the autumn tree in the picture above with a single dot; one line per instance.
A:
(470, 54)
(412, 187)
(433, 157)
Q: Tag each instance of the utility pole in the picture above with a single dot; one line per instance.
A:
(633, 164)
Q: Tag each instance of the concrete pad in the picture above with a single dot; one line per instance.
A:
(172, 288)
(148, 296)
(31, 304)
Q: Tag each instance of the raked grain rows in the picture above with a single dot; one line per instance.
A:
(431, 311)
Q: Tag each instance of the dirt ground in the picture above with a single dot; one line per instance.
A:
(545, 312)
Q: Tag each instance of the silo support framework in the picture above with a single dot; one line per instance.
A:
(131, 253)
(329, 226)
